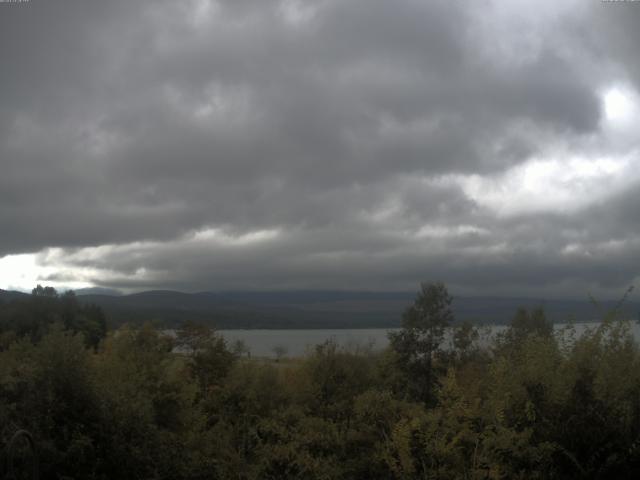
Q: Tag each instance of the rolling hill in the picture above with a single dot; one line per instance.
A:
(313, 309)
(322, 309)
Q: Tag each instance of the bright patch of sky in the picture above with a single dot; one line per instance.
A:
(565, 183)
(23, 272)
(554, 185)
(620, 105)
(61, 268)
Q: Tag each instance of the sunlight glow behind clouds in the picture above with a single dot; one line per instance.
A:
(619, 106)
(24, 272)
(84, 267)
(556, 185)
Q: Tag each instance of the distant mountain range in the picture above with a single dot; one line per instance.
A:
(7, 295)
(313, 309)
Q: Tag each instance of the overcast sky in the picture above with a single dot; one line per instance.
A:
(332, 144)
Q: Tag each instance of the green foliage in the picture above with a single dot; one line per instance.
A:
(335, 377)
(147, 402)
(419, 340)
(140, 404)
(464, 341)
(208, 358)
(33, 317)
(526, 323)
(47, 388)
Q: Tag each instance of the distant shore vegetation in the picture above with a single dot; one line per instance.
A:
(134, 403)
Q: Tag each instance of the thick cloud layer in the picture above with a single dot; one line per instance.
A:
(359, 144)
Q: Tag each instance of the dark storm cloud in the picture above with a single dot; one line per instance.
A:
(342, 126)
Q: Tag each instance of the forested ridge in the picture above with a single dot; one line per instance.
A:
(133, 403)
(314, 309)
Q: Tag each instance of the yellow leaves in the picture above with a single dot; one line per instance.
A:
(442, 442)
(399, 454)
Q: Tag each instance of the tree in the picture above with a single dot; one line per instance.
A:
(279, 351)
(41, 291)
(32, 317)
(464, 336)
(415, 345)
(209, 359)
(526, 323)
(47, 389)
(240, 348)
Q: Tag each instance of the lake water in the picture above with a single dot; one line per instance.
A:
(262, 343)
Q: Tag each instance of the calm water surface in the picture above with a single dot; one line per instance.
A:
(263, 343)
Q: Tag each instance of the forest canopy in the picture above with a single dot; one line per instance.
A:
(135, 403)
